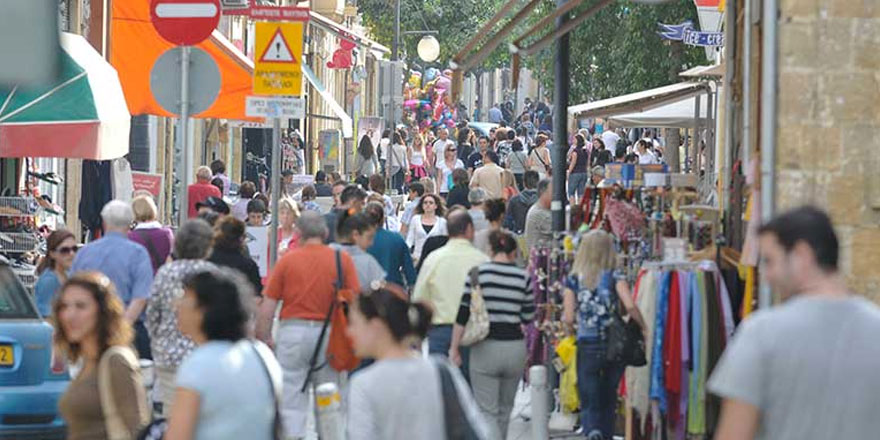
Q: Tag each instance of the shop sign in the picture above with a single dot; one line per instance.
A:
(149, 182)
(686, 33)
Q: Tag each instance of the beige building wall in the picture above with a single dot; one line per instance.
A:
(828, 152)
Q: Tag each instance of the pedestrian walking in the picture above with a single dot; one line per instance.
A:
(321, 186)
(417, 158)
(229, 250)
(539, 157)
(594, 291)
(377, 187)
(579, 161)
(441, 277)
(229, 387)
(367, 161)
(458, 195)
(518, 207)
(475, 159)
(352, 197)
(308, 196)
(355, 234)
(416, 191)
(446, 168)
(390, 249)
(156, 238)
(106, 399)
(427, 222)
(516, 162)
(494, 211)
(803, 369)
(539, 220)
(303, 281)
(288, 235)
(246, 192)
(218, 171)
(52, 269)
(256, 213)
(476, 199)
(490, 176)
(383, 403)
(397, 162)
(170, 347)
(465, 144)
(125, 263)
(497, 362)
(198, 192)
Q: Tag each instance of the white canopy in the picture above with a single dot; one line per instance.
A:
(678, 114)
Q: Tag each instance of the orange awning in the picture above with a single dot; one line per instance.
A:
(135, 45)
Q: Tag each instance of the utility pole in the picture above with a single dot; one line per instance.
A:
(560, 123)
(395, 47)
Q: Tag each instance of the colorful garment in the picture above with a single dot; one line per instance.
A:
(658, 392)
(595, 307)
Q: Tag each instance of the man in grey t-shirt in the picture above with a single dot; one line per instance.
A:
(809, 368)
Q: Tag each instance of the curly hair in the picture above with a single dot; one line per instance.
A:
(112, 328)
(441, 206)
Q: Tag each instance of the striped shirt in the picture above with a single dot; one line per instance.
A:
(507, 293)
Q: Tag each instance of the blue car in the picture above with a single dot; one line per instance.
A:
(31, 380)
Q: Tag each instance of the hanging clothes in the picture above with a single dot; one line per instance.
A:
(96, 191)
(658, 391)
(638, 379)
(121, 179)
(672, 350)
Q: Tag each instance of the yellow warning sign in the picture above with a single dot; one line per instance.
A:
(278, 65)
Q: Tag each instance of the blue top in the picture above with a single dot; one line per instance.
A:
(391, 252)
(235, 393)
(594, 306)
(45, 290)
(125, 262)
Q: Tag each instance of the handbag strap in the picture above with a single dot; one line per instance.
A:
(276, 394)
(474, 275)
(113, 423)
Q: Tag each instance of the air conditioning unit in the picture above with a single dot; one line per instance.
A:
(234, 4)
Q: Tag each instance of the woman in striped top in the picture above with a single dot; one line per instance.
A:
(497, 362)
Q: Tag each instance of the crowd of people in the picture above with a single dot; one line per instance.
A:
(237, 354)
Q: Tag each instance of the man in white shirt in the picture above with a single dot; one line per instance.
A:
(442, 143)
(610, 139)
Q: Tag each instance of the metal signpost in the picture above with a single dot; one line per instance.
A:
(185, 23)
(277, 72)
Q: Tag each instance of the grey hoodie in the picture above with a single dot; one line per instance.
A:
(518, 208)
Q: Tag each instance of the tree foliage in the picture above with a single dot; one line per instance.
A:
(618, 51)
(456, 22)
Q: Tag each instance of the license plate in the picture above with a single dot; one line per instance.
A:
(6, 355)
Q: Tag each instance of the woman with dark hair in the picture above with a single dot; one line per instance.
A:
(52, 270)
(230, 251)
(516, 162)
(427, 222)
(246, 192)
(401, 395)
(495, 209)
(496, 363)
(228, 387)
(459, 193)
(168, 346)
(90, 328)
(355, 233)
(599, 156)
(308, 195)
(384, 144)
(465, 147)
(579, 161)
(539, 157)
(397, 162)
(367, 161)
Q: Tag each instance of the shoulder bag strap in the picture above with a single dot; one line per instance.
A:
(151, 248)
(113, 423)
(277, 431)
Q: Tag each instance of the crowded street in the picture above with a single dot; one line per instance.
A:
(421, 220)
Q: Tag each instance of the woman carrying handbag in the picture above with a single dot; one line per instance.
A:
(593, 295)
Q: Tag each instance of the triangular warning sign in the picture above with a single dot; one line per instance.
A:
(278, 51)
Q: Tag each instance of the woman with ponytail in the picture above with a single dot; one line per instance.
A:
(497, 362)
(52, 270)
(355, 233)
(401, 395)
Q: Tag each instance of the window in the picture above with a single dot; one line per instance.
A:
(15, 302)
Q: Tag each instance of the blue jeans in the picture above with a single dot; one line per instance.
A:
(597, 382)
(576, 183)
(439, 340)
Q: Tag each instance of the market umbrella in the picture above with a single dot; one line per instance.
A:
(81, 115)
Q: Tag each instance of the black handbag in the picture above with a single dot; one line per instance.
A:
(624, 342)
(458, 425)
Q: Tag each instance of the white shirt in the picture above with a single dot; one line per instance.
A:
(440, 147)
(610, 139)
(648, 158)
(445, 174)
(416, 235)
(383, 148)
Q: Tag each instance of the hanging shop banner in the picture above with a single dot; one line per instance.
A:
(686, 33)
(148, 182)
(328, 143)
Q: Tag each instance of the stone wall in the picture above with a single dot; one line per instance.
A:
(828, 149)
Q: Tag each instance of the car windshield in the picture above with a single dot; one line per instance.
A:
(14, 300)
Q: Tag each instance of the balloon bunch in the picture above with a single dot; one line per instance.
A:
(427, 102)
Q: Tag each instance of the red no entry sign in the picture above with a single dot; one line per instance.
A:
(185, 22)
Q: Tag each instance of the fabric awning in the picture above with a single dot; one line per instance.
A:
(347, 127)
(713, 71)
(679, 114)
(82, 115)
(639, 101)
(135, 46)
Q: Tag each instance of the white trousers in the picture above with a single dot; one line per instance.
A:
(294, 348)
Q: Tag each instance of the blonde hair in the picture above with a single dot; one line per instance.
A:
(144, 209)
(204, 173)
(288, 203)
(429, 185)
(507, 178)
(595, 254)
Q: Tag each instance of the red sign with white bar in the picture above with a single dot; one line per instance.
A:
(185, 22)
(148, 182)
(272, 13)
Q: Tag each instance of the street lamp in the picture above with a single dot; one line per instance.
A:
(429, 49)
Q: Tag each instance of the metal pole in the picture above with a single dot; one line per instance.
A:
(276, 190)
(769, 82)
(183, 213)
(696, 153)
(395, 47)
(540, 402)
(747, 81)
(729, 104)
(560, 124)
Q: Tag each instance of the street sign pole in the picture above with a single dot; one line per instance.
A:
(276, 190)
(185, 149)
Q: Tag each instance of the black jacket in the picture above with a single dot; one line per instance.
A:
(518, 209)
(458, 195)
(323, 190)
(236, 259)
